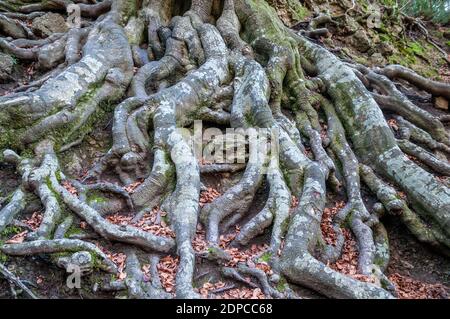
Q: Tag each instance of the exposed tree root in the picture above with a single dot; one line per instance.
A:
(136, 285)
(239, 68)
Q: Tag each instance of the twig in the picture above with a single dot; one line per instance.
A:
(202, 275)
(13, 279)
(220, 290)
(425, 32)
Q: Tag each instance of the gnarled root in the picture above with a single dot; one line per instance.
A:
(241, 68)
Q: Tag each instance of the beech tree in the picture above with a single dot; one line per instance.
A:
(232, 64)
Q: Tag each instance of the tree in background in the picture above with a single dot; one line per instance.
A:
(435, 10)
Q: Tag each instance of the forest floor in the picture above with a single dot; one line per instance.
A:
(417, 271)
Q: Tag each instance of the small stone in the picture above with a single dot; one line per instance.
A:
(397, 29)
(377, 59)
(360, 41)
(48, 24)
(441, 103)
(386, 49)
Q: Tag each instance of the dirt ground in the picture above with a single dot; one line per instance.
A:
(413, 263)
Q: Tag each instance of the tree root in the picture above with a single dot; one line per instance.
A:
(433, 87)
(276, 211)
(396, 206)
(59, 246)
(241, 68)
(427, 158)
(138, 287)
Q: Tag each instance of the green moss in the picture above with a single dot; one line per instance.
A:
(13, 124)
(430, 73)
(73, 230)
(416, 48)
(9, 138)
(96, 261)
(10, 231)
(77, 130)
(361, 60)
(3, 257)
(298, 11)
(7, 233)
(281, 285)
(127, 9)
(8, 198)
(27, 153)
(216, 252)
(405, 59)
(389, 2)
(170, 173)
(48, 182)
(58, 176)
(265, 257)
(285, 225)
(96, 197)
(14, 60)
(165, 219)
(379, 261)
(385, 37)
(266, 23)
(249, 119)
(447, 43)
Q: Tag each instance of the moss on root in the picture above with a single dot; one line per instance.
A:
(77, 130)
(290, 11)
(96, 198)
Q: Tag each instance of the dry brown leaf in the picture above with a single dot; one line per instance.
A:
(408, 288)
(17, 238)
(132, 187)
(34, 221)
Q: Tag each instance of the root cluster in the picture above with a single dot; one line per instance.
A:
(161, 67)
